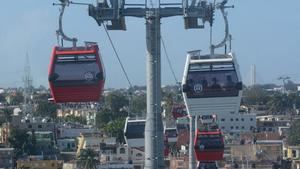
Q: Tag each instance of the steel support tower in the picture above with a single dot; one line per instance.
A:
(115, 12)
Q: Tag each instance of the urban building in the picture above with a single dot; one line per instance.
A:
(67, 145)
(7, 158)
(235, 123)
(39, 164)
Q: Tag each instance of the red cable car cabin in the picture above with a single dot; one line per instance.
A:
(166, 146)
(178, 110)
(209, 145)
(76, 74)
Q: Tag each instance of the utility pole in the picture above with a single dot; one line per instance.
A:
(115, 12)
(284, 78)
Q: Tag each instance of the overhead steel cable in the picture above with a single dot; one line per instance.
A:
(169, 61)
(117, 55)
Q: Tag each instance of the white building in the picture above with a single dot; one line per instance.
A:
(67, 132)
(237, 122)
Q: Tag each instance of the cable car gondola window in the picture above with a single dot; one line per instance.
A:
(135, 130)
(212, 80)
(75, 70)
(171, 133)
(209, 142)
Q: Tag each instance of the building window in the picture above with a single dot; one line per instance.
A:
(231, 127)
(122, 150)
(243, 127)
(138, 155)
(222, 119)
(242, 119)
(236, 119)
(251, 119)
(39, 126)
(232, 112)
(30, 126)
(223, 127)
(236, 127)
(294, 154)
(231, 119)
(285, 152)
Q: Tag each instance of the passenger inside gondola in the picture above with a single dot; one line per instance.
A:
(215, 84)
(72, 70)
(209, 142)
(229, 83)
(211, 83)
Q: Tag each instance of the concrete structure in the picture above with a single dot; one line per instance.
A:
(236, 122)
(67, 144)
(110, 152)
(269, 150)
(30, 123)
(68, 132)
(116, 166)
(114, 153)
(93, 141)
(272, 123)
(39, 164)
(7, 158)
(45, 142)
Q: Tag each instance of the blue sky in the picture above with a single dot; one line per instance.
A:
(266, 33)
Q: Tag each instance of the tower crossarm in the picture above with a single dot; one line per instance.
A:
(117, 10)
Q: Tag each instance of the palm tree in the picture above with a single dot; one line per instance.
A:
(87, 159)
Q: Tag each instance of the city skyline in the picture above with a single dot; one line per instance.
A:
(262, 34)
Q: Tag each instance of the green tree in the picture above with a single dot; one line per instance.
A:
(7, 114)
(116, 128)
(255, 95)
(87, 159)
(103, 117)
(46, 109)
(78, 119)
(281, 103)
(138, 106)
(2, 98)
(20, 140)
(294, 134)
(116, 101)
(16, 98)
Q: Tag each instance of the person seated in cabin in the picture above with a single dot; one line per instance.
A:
(229, 83)
(190, 84)
(204, 83)
(215, 85)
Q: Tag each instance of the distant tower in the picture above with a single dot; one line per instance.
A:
(253, 75)
(27, 93)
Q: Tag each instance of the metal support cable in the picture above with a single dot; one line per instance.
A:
(117, 55)
(169, 61)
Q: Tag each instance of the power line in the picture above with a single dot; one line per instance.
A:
(117, 55)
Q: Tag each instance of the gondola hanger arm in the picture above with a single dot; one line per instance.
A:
(60, 31)
(221, 6)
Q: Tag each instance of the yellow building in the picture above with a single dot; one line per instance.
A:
(39, 164)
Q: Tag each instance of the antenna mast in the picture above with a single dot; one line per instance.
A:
(27, 79)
